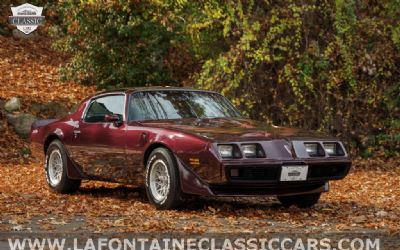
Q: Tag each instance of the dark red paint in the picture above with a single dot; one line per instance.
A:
(116, 151)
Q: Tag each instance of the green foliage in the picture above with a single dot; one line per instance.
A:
(116, 43)
(314, 64)
(310, 65)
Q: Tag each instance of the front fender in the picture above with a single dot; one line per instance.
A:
(190, 182)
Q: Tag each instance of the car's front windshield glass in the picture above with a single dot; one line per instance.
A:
(178, 104)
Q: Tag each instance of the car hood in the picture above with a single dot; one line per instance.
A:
(234, 129)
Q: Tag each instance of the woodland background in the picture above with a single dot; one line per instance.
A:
(329, 65)
(326, 65)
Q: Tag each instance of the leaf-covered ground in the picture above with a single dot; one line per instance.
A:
(367, 199)
(29, 70)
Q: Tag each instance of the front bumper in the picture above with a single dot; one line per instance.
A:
(280, 189)
(270, 172)
(263, 179)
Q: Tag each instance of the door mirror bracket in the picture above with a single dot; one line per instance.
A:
(113, 118)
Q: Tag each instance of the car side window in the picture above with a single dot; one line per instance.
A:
(141, 108)
(107, 105)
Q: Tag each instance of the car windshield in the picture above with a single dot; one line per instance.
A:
(178, 104)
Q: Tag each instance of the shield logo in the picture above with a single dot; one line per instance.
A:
(26, 17)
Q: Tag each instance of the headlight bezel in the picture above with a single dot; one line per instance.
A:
(239, 150)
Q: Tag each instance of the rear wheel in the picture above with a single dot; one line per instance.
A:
(56, 169)
(162, 180)
(301, 201)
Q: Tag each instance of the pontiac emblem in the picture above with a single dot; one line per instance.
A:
(26, 17)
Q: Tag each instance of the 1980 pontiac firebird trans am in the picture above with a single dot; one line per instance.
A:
(178, 141)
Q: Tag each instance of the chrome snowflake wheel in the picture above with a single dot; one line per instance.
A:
(55, 167)
(159, 180)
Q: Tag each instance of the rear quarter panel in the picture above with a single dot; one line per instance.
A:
(44, 130)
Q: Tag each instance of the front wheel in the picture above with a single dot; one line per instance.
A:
(162, 180)
(301, 201)
(56, 169)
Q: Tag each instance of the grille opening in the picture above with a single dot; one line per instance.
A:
(254, 173)
(272, 173)
(319, 171)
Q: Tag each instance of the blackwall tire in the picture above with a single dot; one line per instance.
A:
(56, 169)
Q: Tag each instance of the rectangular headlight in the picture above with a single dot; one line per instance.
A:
(333, 148)
(330, 148)
(314, 149)
(249, 150)
(225, 151)
(311, 149)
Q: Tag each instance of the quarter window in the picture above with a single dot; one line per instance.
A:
(106, 105)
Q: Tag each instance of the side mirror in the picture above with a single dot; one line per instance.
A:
(114, 118)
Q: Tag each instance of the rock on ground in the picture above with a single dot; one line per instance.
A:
(20, 35)
(22, 123)
(49, 110)
(12, 105)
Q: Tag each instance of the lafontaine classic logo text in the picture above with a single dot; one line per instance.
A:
(26, 17)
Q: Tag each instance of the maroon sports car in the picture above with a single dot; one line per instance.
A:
(179, 141)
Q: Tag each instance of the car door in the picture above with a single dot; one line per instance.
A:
(139, 109)
(100, 144)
